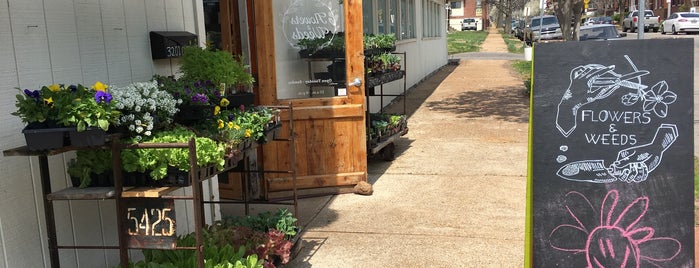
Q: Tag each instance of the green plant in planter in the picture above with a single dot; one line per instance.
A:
(282, 220)
(89, 162)
(157, 161)
(217, 66)
(383, 41)
(71, 106)
(215, 256)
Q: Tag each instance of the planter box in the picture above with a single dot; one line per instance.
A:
(193, 114)
(45, 138)
(246, 99)
(87, 138)
(379, 79)
(322, 54)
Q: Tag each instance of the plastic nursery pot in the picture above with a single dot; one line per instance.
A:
(45, 138)
(87, 138)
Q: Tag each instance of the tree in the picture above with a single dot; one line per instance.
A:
(506, 8)
(569, 14)
(604, 6)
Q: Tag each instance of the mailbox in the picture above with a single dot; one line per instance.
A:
(165, 45)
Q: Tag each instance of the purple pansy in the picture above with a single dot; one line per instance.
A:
(199, 97)
(101, 96)
(73, 88)
(33, 93)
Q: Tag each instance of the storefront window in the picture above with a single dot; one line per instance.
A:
(368, 16)
(393, 16)
(381, 15)
(212, 23)
(309, 49)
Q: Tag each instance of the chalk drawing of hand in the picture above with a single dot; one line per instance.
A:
(635, 163)
(613, 240)
(589, 83)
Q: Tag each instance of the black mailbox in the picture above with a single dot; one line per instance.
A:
(164, 45)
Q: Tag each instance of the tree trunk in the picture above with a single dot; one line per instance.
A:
(569, 13)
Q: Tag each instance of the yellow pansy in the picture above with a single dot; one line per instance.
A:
(49, 101)
(248, 133)
(220, 124)
(217, 110)
(54, 88)
(99, 86)
(230, 125)
(225, 102)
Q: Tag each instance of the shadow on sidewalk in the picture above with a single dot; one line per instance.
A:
(414, 98)
(506, 104)
(417, 94)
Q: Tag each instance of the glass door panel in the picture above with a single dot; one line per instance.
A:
(309, 49)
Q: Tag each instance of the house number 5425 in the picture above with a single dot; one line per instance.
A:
(150, 221)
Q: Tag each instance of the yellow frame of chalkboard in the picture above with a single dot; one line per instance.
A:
(529, 215)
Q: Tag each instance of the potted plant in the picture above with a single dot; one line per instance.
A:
(171, 163)
(225, 71)
(54, 111)
(264, 240)
(198, 99)
(91, 168)
(144, 108)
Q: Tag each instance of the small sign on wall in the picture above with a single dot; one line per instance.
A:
(165, 45)
(150, 223)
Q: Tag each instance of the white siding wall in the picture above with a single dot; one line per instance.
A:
(424, 56)
(73, 41)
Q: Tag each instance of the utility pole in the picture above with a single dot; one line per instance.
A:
(641, 18)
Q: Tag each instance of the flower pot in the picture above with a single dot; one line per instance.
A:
(244, 98)
(193, 114)
(271, 132)
(87, 138)
(174, 177)
(45, 138)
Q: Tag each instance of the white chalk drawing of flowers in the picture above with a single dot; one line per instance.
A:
(613, 240)
(658, 98)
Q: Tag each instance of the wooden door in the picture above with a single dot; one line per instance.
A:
(329, 132)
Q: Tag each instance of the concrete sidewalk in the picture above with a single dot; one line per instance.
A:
(455, 194)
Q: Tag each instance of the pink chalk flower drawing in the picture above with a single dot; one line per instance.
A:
(615, 240)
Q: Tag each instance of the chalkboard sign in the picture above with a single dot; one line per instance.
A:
(150, 223)
(612, 154)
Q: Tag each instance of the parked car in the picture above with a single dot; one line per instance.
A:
(518, 29)
(599, 32)
(469, 24)
(681, 22)
(599, 20)
(548, 24)
(650, 21)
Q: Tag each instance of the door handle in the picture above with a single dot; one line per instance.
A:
(355, 83)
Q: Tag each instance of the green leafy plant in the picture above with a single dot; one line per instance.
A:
(217, 66)
(215, 256)
(383, 62)
(282, 220)
(384, 41)
(157, 161)
(89, 162)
